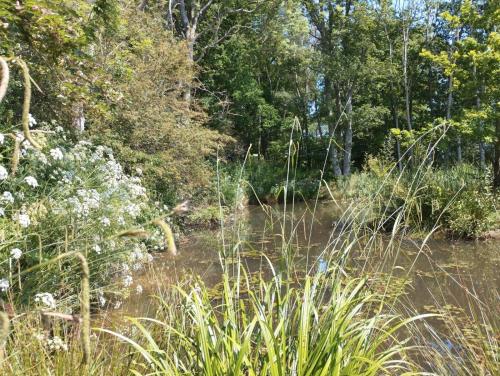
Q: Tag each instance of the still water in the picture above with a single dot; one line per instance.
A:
(439, 272)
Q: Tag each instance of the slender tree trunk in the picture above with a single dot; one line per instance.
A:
(398, 142)
(496, 157)
(450, 99)
(406, 80)
(482, 157)
(318, 113)
(334, 158)
(348, 134)
(190, 40)
(448, 117)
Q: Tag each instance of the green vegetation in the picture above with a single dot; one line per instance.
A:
(458, 200)
(113, 112)
(322, 327)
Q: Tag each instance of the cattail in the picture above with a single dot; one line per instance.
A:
(169, 236)
(4, 79)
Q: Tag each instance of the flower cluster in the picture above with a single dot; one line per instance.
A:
(46, 299)
(54, 343)
(78, 192)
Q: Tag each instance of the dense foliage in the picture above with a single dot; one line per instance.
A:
(67, 198)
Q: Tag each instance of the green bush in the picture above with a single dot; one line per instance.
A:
(67, 198)
(267, 182)
(458, 199)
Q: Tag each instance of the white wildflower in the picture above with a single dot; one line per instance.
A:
(133, 210)
(118, 304)
(31, 121)
(139, 289)
(16, 253)
(2, 212)
(137, 267)
(56, 153)
(102, 299)
(31, 181)
(127, 281)
(2, 138)
(26, 145)
(3, 173)
(42, 158)
(149, 257)
(136, 254)
(97, 249)
(120, 220)
(24, 220)
(4, 284)
(105, 221)
(56, 344)
(59, 129)
(46, 299)
(125, 268)
(137, 190)
(8, 197)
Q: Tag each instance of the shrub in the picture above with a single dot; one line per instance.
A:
(267, 181)
(66, 198)
(458, 199)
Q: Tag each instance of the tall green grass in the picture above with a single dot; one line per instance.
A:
(322, 326)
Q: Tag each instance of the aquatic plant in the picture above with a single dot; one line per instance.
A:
(321, 327)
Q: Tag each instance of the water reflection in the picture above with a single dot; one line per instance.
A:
(442, 272)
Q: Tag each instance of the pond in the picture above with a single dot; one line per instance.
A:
(443, 272)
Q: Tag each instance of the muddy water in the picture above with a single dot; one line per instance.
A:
(456, 273)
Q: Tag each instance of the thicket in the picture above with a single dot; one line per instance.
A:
(458, 200)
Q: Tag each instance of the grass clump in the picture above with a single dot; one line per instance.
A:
(322, 326)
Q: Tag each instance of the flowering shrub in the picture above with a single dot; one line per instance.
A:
(69, 197)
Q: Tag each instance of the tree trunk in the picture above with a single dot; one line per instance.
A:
(406, 80)
(449, 104)
(496, 157)
(348, 134)
(190, 40)
(334, 158)
(398, 142)
(482, 157)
